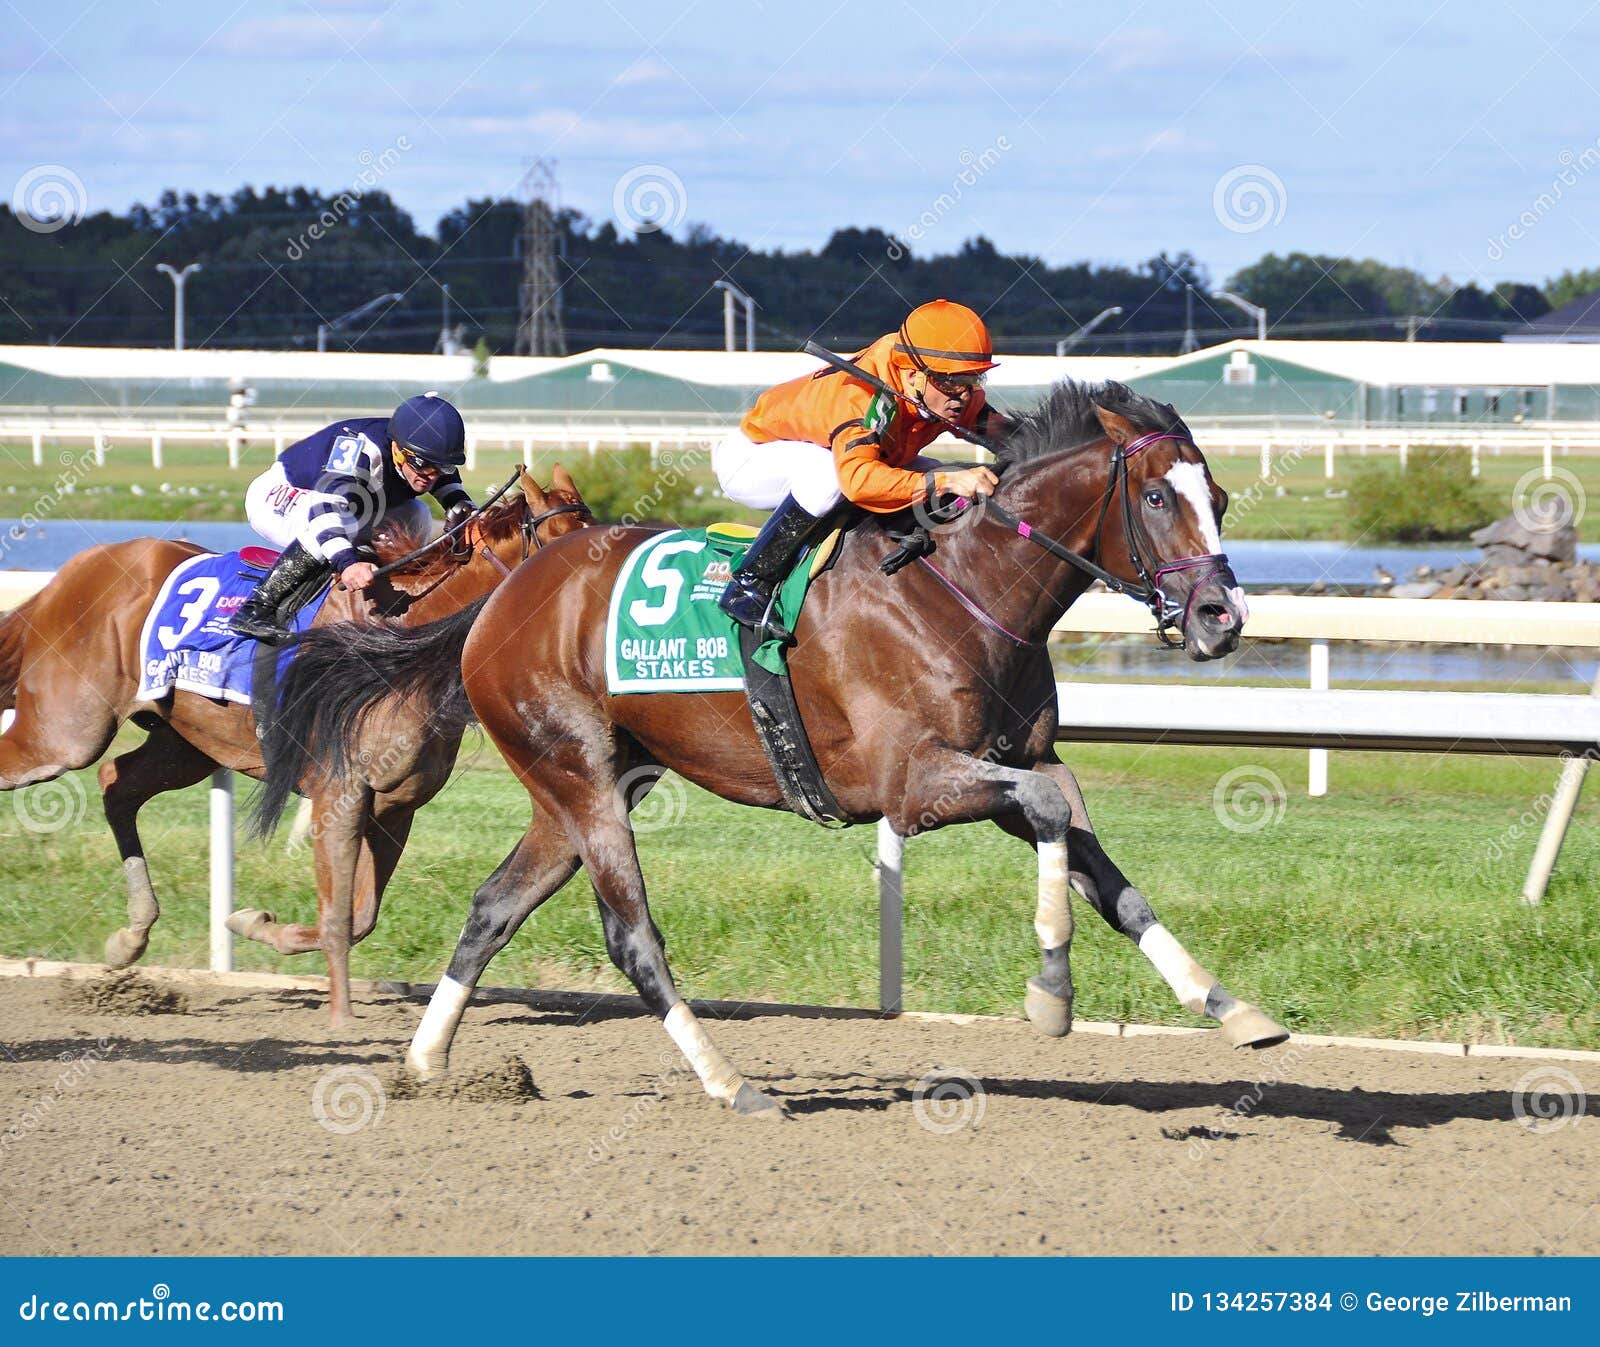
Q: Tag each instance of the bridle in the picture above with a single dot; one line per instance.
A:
(530, 534)
(1168, 613)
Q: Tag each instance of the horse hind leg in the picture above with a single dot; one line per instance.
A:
(164, 761)
(637, 948)
(540, 863)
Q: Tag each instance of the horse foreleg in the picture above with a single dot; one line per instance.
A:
(538, 865)
(948, 787)
(164, 761)
(1097, 878)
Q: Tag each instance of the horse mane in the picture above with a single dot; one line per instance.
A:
(1066, 419)
(393, 539)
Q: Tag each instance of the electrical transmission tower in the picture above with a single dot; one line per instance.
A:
(539, 301)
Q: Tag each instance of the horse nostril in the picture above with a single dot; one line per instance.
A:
(1217, 614)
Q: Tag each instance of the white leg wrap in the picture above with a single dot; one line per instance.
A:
(1189, 981)
(1052, 919)
(715, 1071)
(430, 1045)
(142, 910)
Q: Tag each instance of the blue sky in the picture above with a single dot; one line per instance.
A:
(1419, 134)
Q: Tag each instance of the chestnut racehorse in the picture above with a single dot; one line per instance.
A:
(70, 664)
(929, 698)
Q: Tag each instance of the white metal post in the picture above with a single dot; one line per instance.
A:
(1562, 807)
(1327, 459)
(1266, 459)
(1317, 769)
(1405, 455)
(233, 448)
(472, 453)
(99, 448)
(891, 918)
(1477, 459)
(156, 456)
(221, 870)
(1549, 460)
(38, 448)
(1554, 832)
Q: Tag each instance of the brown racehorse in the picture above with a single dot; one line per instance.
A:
(929, 698)
(70, 664)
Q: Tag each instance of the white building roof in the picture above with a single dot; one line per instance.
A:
(1438, 363)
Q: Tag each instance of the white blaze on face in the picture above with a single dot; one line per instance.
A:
(1189, 482)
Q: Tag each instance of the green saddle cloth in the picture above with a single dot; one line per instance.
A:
(664, 630)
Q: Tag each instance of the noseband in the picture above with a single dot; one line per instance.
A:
(1169, 614)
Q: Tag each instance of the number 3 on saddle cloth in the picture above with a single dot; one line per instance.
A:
(186, 643)
(665, 633)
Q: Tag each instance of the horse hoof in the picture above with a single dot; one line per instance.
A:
(125, 947)
(752, 1103)
(1050, 1014)
(248, 921)
(1247, 1027)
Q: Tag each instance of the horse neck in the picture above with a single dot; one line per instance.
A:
(1015, 581)
(436, 598)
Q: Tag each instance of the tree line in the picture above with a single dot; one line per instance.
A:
(279, 262)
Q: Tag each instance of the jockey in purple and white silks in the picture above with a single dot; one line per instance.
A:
(327, 492)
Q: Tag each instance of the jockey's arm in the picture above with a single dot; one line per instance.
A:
(869, 482)
(450, 494)
(334, 525)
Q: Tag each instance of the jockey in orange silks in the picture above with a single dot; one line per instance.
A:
(824, 438)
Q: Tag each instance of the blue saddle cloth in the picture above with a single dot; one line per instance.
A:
(187, 644)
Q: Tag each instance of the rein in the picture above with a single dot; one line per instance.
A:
(530, 535)
(1168, 614)
(449, 534)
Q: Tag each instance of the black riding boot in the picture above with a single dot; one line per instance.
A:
(258, 616)
(766, 565)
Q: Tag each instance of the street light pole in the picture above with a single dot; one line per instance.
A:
(1067, 343)
(360, 311)
(1254, 310)
(1190, 341)
(179, 279)
(730, 293)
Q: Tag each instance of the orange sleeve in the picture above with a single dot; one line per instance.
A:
(867, 480)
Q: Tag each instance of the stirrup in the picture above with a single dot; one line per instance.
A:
(258, 626)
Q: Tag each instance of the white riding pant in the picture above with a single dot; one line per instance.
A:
(280, 513)
(761, 475)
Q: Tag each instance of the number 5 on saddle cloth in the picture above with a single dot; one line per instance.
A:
(665, 633)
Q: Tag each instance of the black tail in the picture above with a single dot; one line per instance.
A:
(338, 673)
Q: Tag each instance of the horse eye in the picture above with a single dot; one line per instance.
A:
(1155, 500)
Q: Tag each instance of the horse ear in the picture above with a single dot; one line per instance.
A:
(532, 492)
(561, 480)
(1118, 429)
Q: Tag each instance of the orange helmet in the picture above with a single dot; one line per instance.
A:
(944, 338)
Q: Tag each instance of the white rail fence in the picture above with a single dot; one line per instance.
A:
(1277, 447)
(1320, 718)
(1316, 717)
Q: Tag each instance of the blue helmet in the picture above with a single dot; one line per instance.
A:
(431, 429)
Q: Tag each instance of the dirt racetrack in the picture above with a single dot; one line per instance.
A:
(235, 1122)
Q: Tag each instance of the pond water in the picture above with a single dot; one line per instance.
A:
(1260, 565)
